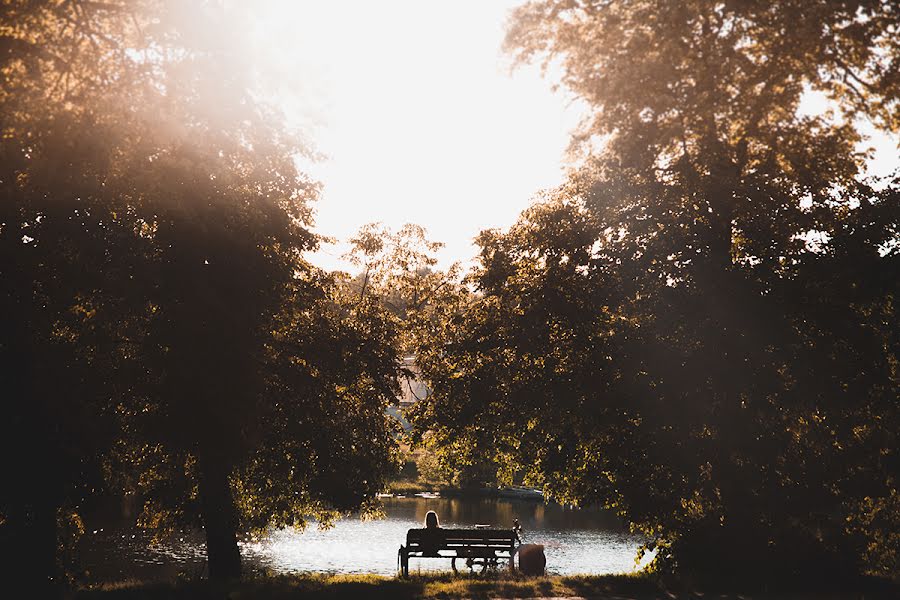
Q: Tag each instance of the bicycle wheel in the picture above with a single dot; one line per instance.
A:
(479, 565)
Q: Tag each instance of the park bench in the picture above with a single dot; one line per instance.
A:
(476, 548)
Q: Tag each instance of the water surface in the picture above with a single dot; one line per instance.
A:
(575, 540)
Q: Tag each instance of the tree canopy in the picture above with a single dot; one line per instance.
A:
(698, 329)
(164, 336)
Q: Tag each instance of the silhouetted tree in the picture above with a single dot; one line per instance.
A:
(161, 318)
(63, 283)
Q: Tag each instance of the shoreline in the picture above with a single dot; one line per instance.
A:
(407, 489)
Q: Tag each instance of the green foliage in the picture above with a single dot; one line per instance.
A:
(429, 466)
(875, 521)
(399, 273)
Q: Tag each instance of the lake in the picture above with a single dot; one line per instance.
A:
(576, 541)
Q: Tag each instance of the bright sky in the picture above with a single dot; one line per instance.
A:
(419, 116)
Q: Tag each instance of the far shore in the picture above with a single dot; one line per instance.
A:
(418, 488)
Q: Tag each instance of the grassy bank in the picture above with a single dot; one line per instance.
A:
(444, 587)
(339, 587)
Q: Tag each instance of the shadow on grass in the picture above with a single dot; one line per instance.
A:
(450, 587)
(311, 586)
(339, 587)
(626, 587)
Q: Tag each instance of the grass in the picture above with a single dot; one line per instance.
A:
(424, 587)
(442, 587)
(434, 587)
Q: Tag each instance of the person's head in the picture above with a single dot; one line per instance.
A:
(431, 520)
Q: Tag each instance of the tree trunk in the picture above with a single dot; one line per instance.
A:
(46, 541)
(220, 520)
(28, 550)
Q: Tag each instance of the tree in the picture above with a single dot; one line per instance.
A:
(656, 336)
(305, 435)
(62, 233)
(399, 273)
(154, 225)
(227, 214)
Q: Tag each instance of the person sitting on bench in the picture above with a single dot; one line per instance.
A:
(433, 537)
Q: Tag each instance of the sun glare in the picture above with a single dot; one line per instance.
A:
(417, 114)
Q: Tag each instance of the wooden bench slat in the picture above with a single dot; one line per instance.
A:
(464, 531)
(470, 540)
(467, 538)
(493, 542)
(463, 543)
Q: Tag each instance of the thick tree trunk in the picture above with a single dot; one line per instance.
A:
(46, 542)
(220, 520)
(29, 549)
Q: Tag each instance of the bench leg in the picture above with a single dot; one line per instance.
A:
(404, 561)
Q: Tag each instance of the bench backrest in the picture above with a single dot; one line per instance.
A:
(450, 539)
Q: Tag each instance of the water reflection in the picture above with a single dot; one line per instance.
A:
(576, 541)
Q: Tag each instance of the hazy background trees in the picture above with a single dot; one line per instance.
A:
(699, 329)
